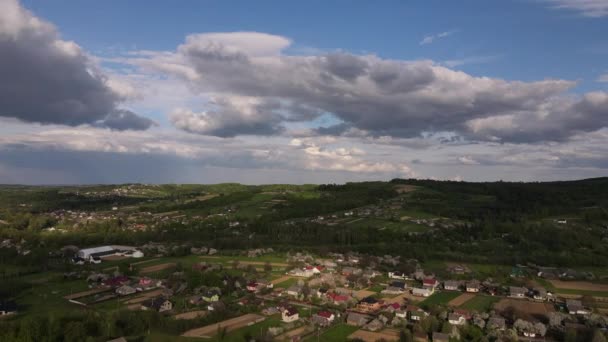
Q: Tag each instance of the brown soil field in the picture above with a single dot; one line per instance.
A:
(368, 336)
(400, 298)
(230, 325)
(579, 285)
(463, 298)
(144, 262)
(524, 307)
(87, 293)
(364, 293)
(191, 314)
(289, 336)
(143, 296)
(157, 268)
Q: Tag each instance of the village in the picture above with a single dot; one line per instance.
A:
(297, 296)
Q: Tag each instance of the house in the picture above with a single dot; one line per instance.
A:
(159, 304)
(338, 299)
(263, 283)
(303, 272)
(346, 271)
(374, 325)
(8, 307)
(145, 283)
(451, 285)
(401, 313)
(517, 292)
(473, 286)
(392, 307)
(323, 318)
(294, 290)
(459, 317)
(357, 319)
(252, 286)
(211, 295)
(456, 319)
(397, 275)
(369, 304)
(125, 290)
(575, 307)
(430, 283)
(540, 294)
(396, 287)
(415, 313)
(457, 269)
(290, 315)
(496, 323)
(195, 300)
(369, 274)
(440, 337)
(216, 306)
(116, 281)
(422, 292)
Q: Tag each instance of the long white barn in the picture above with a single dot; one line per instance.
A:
(101, 251)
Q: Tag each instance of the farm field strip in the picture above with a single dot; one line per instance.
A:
(157, 268)
(230, 325)
(463, 298)
(368, 336)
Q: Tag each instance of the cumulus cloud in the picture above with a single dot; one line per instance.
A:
(589, 8)
(366, 94)
(46, 79)
(603, 78)
(467, 160)
(429, 39)
(232, 115)
(122, 120)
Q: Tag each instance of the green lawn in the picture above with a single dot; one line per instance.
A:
(549, 286)
(480, 303)
(338, 332)
(440, 298)
(377, 288)
(287, 283)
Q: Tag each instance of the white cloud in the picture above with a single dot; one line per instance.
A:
(429, 39)
(367, 95)
(589, 8)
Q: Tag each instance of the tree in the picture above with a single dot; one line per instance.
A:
(570, 336)
(405, 336)
(306, 290)
(75, 332)
(267, 267)
(598, 336)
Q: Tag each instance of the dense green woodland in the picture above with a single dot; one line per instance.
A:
(497, 222)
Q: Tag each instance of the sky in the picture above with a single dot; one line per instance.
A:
(302, 92)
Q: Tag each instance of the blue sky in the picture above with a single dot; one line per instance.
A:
(513, 89)
(513, 39)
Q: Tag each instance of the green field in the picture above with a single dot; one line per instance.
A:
(287, 283)
(439, 298)
(480, 303)
(338, 332)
